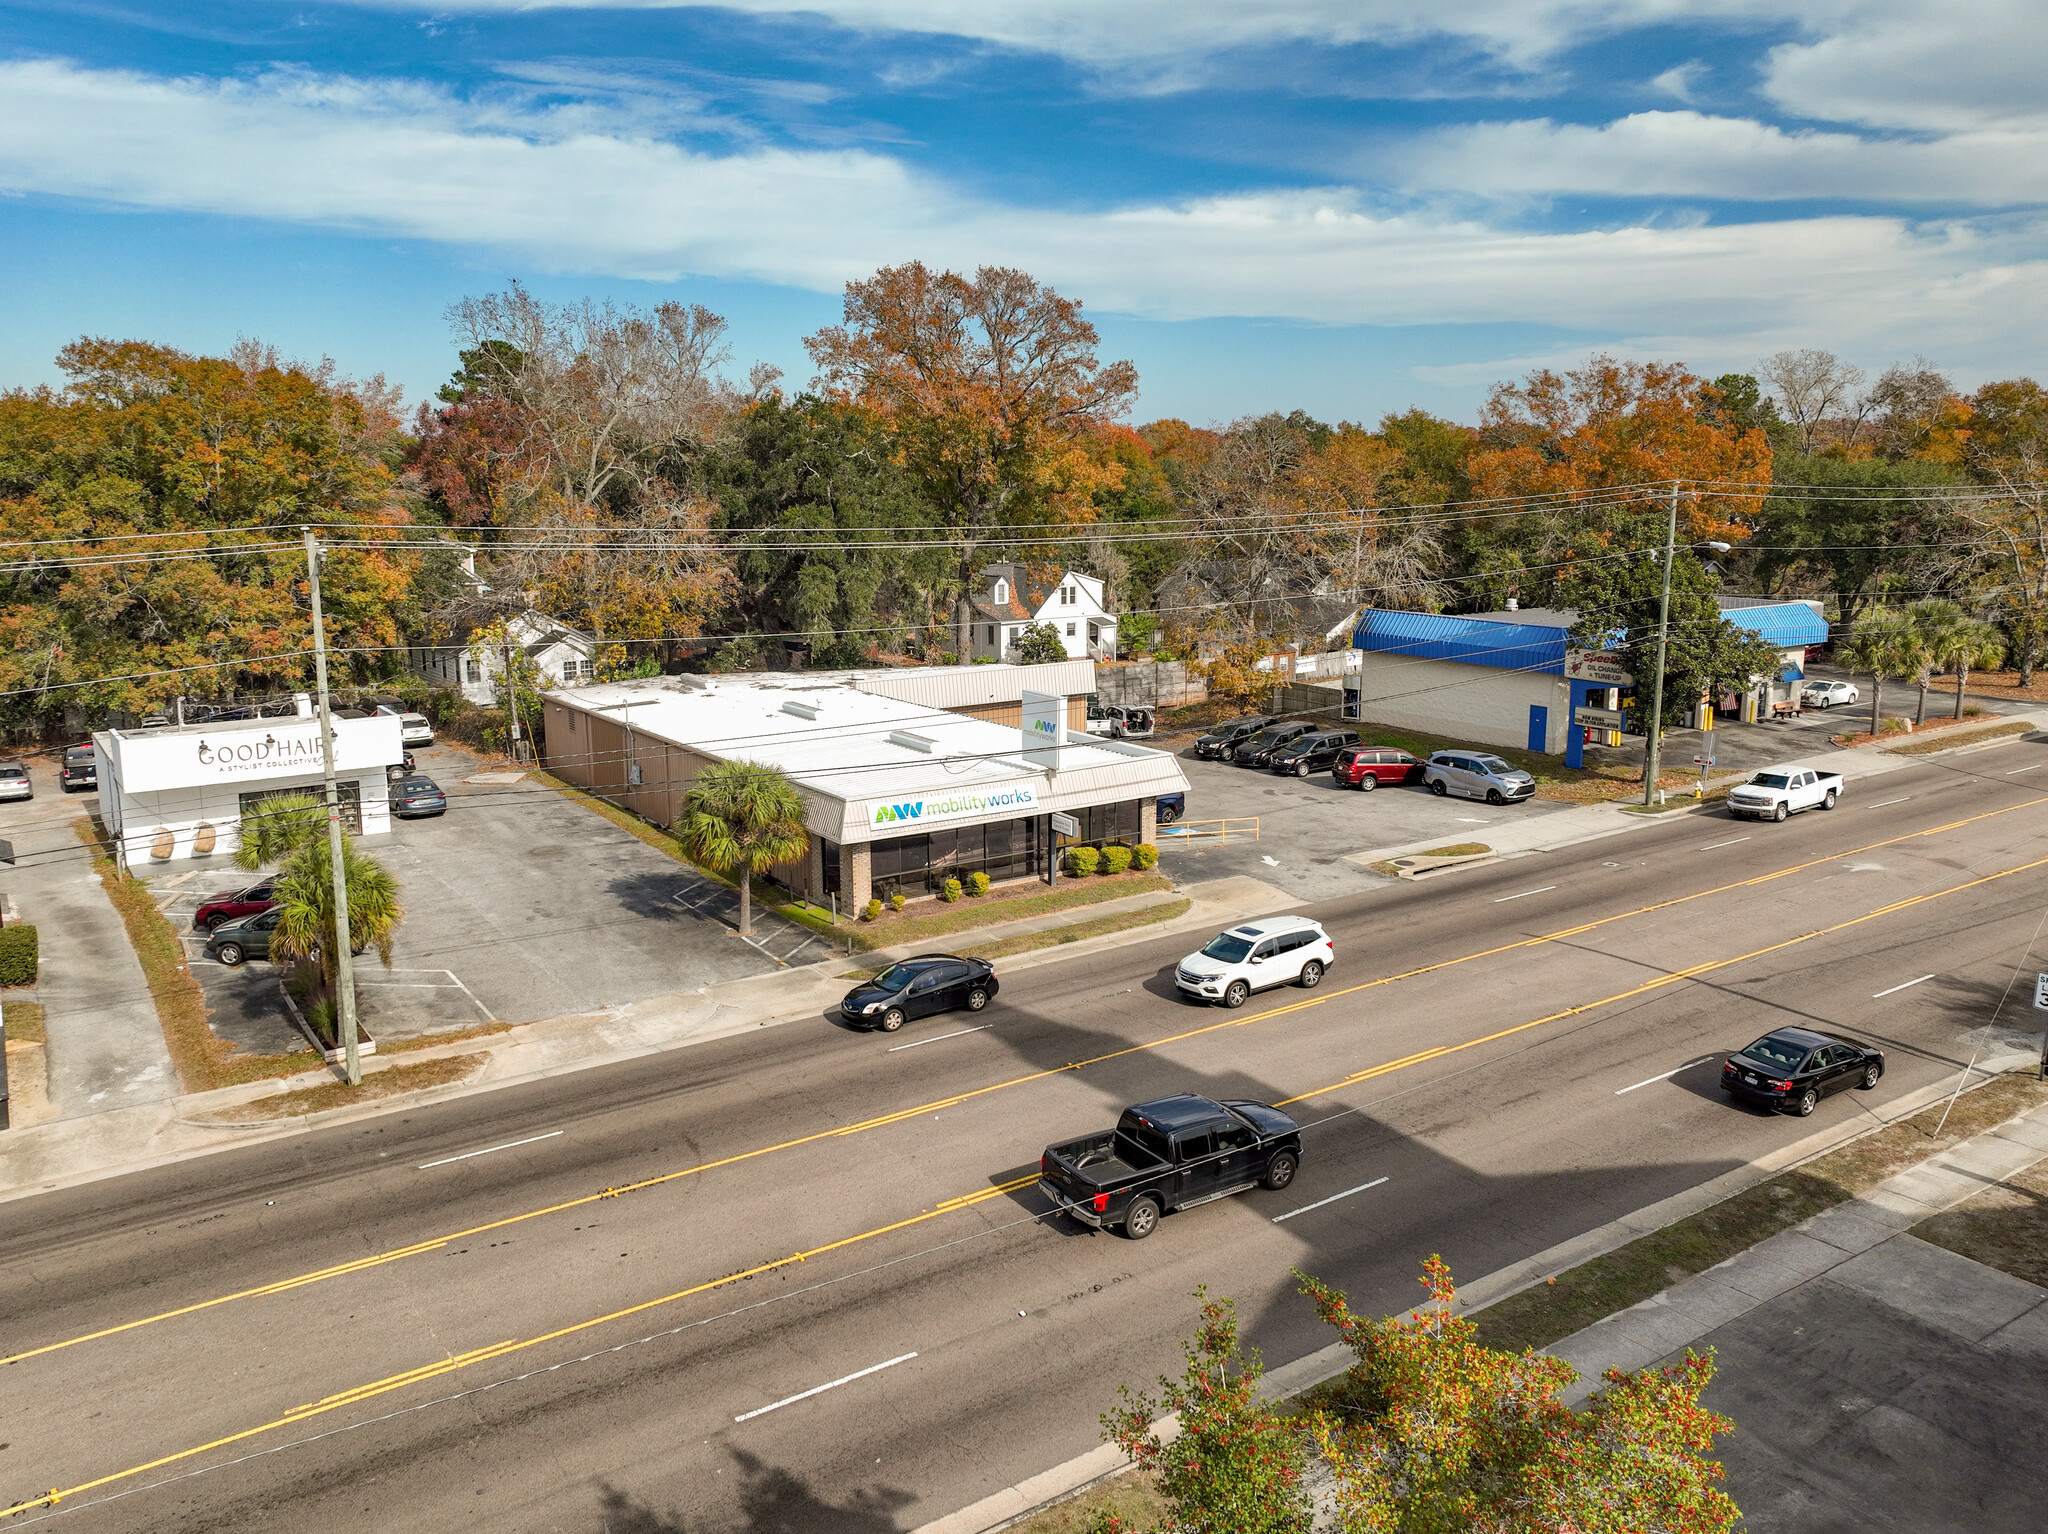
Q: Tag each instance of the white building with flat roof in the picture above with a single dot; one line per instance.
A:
(898, 795)
(174, 793)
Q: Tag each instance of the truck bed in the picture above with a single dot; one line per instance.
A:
(1094, 1162)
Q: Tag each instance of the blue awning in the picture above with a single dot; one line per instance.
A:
(1475, 641)
(1783, 623)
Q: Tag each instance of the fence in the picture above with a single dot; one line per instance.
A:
(1306, 698)
(1149, 684)
(1216, 833)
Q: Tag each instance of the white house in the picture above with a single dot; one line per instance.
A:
(1009, 599)
(563, 655)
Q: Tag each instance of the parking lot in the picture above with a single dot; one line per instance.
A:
(519, 905)
(1308, 827)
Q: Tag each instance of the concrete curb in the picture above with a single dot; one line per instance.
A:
(1013, 1504)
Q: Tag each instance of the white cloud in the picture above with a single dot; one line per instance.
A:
(1920, 64)
(1690, 154)
(568, 195)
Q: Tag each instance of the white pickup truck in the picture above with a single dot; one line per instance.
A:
(1777, 792)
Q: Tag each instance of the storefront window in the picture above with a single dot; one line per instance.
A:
(348, 790)
(1008, 849)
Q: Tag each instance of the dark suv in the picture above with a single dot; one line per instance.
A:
(1259, 749)
(80, 770)
(1224, 739)
(1312, 753)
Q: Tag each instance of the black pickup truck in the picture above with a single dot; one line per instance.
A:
(1171, 1153)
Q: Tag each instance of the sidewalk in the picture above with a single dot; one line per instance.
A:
(1566, 828)
(163, 1129)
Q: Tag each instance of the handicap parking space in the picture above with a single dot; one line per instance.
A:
(1308, 828)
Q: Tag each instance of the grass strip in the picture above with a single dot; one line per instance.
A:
(991, 909)
(389, 1082)
(1052, 937)
(2004, 1227)
(1392, 868)
(1573, 1300)
(1950, 742)
(1134, 1498)
(25, 1022)
(434, 1040)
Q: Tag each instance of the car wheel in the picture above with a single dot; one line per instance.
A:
(977, 999)
(229, 954)
(1368, 783)
(1141, 1221)
(892, 1020)
(1780, 812)
(1230, 753)
(1829, 802)
(1807, 1099)
(1870, 1074)
(1168, 816)
(1439, 787)
(1311, 974)
(1493, 796)
(1301, 768)
(1280, 1171)
(1235, 993)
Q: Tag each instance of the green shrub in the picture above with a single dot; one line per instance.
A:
(1144, 855)
(18, 955)
(977, 883)
(898, 901)
(950, 890)
(874, 910)
(1116, 859)
(1083, 860)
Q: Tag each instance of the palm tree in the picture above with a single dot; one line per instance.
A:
(743, 818)
(1884, 646)
(1962, 647)
(276, 828)
(1934, 621)
(305, 898)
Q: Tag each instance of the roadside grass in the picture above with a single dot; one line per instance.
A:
(1133, 1497)
(2005, 1227)
(25, 1022)
(1951, 742)
(389, 1082)
(1052, 937)
(1538, 1317)
(1455, 850)
(435, 1040)
(1714, 794)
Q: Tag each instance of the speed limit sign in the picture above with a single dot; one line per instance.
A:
(2041, 993)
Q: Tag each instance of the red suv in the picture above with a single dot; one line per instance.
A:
(216, 909)
(1367, 767)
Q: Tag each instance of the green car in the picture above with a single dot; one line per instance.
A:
(247, 937)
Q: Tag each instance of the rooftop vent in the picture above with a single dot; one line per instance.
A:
(693, 683)
(911, 742)
(801, 710)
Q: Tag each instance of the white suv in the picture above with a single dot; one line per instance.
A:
(1257, 955)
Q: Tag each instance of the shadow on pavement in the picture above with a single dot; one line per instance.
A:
(772, 1501)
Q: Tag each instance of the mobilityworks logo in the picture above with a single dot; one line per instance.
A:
(1043, 726)
(955, 805)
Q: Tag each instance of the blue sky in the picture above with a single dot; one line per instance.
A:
(1348, 206)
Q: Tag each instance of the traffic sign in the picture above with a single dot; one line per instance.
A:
(1065, 825)
(2041, 993)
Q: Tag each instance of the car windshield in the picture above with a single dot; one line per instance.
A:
(78, 753)
(1263, 738)
(1778, 1052)
(1492, 764)
(1772, 780)
(1231, 950)
(897, 976)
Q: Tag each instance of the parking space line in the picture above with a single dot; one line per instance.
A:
(2028, 768)
(1703, 1059)
(1712, 845)
(818, 1390)
(1544, 890)
(1305, 1208)
(1897, 988)
(941, 1038)
(508, 1145)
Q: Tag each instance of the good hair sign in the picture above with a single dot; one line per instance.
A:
(263, 750)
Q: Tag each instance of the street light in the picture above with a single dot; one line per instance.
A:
(1656, 734)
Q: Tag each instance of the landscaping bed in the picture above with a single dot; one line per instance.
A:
(1952, 742)
(1052, 937)
(389, 1082)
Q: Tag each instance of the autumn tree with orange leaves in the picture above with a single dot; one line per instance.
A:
(993, 389)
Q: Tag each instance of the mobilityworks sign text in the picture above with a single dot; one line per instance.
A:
(911, 813)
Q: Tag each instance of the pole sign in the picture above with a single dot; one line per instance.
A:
(1608, 668)
(1045, 728)
(2041, 993)
(1600, 718)
(1067, 825)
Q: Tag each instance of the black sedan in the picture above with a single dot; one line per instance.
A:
(931, 982)
(1792, 1069)
(413, 797)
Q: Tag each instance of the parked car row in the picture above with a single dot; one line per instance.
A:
(1298, 748)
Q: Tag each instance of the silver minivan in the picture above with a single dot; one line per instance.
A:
(1477, 775)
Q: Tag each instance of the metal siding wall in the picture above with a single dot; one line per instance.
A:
(1475, 704)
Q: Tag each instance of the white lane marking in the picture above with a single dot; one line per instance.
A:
(488, 1149)
(1876, 994)
(1471, 820)
(1305, 1208)
(1883, 802)
(1712, 845)
(1703, 1059)
(2028, 768)
(1526, 892)
(805, 1395)
(915, 1042)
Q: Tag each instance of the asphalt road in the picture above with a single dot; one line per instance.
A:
(1522, 1052)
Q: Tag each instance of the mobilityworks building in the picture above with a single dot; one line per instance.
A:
(902, 787)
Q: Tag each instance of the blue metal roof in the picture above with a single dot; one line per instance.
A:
(1475, 641)
(1783, 623)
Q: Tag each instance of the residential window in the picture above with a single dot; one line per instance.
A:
(1010, 637)
(991, 633)
(1002, 591)
(1066, 596)
(1070, 630)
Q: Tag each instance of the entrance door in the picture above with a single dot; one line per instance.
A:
(1539, 727)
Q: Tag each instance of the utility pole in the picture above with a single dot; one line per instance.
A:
(344, 961)
(1663, 636)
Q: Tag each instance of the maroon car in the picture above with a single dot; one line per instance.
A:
(1367, 767)
(216, 909)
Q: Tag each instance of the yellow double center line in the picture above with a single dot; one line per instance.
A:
(460, 1361)
(1320, 998)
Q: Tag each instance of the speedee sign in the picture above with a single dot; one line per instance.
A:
(898, 816)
